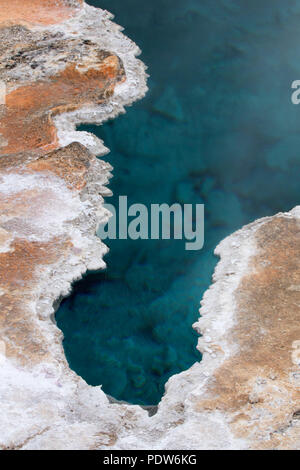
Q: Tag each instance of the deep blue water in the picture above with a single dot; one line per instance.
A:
(217, 127)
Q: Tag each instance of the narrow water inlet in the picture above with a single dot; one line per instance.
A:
(209, 131)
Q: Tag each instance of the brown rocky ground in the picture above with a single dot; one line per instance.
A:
(85, 75)
(36, 12)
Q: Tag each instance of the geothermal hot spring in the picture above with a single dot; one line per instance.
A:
(217, 127)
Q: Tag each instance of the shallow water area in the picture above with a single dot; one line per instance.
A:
(217, 127)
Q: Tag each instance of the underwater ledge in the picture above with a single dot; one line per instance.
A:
(50, 189)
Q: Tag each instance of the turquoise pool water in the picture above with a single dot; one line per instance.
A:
(217, 127)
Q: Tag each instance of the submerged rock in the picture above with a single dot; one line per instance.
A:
(169, 105)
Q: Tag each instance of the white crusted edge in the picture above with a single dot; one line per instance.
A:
(177, 424)
(86, 24)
